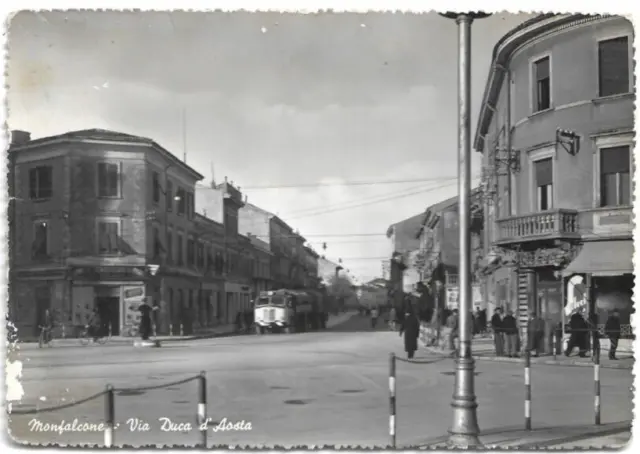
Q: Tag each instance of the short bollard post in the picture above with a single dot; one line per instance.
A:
(202, 407)
(109, 417)
(170, 330)
(553, 345)
(596, 381)
(181, 330)
(392, 399)
(527, 385)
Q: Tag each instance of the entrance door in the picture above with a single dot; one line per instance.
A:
(43, 302)
(109, 311)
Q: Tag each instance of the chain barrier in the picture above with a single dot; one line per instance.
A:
(109, 393)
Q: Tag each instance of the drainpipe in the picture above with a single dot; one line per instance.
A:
(508, 140)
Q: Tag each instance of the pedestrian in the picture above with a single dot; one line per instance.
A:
(145, 319)
(374, 317)
(510, 332)
(612, 329)
(392, 319)
(535, 334)
(94, 325)
(411, 329)
(579, 335)
(452, 326)
(498, 334)
(239, 322)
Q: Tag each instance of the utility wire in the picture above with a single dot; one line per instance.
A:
(333, 210)
(343, 183)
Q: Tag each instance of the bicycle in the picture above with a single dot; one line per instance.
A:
(45, 336)
(86, 336)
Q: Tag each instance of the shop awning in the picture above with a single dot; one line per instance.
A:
(603, 258)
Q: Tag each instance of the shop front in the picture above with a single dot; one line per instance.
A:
(600, 280)
(238, 299)
(110, 292)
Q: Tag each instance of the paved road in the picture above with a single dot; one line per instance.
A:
(302, 389)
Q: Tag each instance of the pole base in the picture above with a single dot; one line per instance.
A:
(464, 430)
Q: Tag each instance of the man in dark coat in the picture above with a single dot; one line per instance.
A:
(411, 329)
(579, 335)
(612, 329)
(510, 330)
(145, 319)
(535, 331)
(498, 334)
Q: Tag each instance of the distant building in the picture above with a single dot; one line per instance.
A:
(403, 275)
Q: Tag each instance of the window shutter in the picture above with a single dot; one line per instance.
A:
(113, 236)
(103, 238)
(113, 172)
(33, 183)
(544, 172)
(46, 181)
(613, 63)
(102, 179)
(542, 69)
(614, 160)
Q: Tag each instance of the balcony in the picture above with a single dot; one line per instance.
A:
(547, 225)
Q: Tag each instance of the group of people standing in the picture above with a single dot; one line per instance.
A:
(506, 336)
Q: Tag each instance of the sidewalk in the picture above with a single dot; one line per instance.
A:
(219, 331)
(612, 436)
(483, 350)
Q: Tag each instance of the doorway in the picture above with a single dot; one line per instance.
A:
(109, 312)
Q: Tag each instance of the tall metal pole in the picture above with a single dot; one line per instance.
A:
(464, 430)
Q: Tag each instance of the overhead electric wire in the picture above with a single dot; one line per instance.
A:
(341, 183)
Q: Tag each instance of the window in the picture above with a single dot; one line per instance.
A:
(613, 66)
(157, 244)
(169, 196)
(108, 179)
(41, 182)
(181, 201)
(40, 246)
(615, 177)
(108, 236)
(170, 247)
(180, 255)
(542, 89)
(189, 205)
(544, 184)
(190, 252)
(156, 187)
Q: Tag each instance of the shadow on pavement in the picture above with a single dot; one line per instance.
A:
(360, 324)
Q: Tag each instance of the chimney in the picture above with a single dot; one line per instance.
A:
(20, 137)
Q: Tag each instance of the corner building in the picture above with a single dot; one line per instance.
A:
(556, 133)
(90, 220)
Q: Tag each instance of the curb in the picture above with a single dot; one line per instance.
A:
(574, 438)
(547, 362)
(585, 434)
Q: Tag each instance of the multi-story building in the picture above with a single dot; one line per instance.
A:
(91, 211)
(261, 265)
(556, 133)
(283, 242)
(222, 203)
(312, 277)
(403, 272)
(439, 237)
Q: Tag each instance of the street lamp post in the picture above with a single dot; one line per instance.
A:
(464, 430)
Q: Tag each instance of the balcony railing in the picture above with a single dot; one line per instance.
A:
(546, 225)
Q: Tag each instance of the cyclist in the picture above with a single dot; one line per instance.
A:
(94, 326)
(47, 327)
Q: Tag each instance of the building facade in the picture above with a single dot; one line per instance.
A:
(556, 133)
(311, 273)
(86, 219)
(439, 237)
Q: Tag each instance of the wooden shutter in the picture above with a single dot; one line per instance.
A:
(613, 66)
(544, 172)
(614, 160)
(33, 183)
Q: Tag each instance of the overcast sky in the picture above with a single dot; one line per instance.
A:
(270, 100)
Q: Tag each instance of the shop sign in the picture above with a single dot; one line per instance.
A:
(132, 296)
